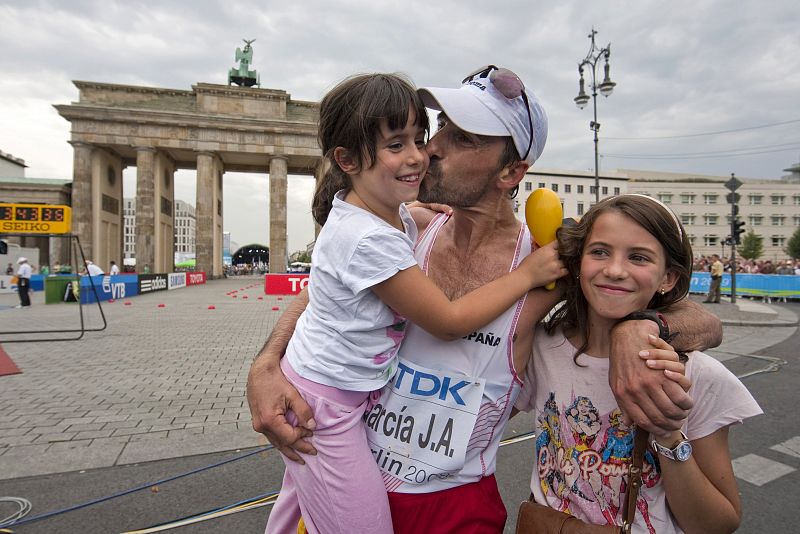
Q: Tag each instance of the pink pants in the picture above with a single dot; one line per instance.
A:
(340, 490)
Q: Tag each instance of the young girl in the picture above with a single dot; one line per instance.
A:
(628, 253)
(365, 284)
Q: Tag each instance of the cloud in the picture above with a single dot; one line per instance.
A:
(682, 67)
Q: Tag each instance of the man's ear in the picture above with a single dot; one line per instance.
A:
(513, 174)
(345, 160)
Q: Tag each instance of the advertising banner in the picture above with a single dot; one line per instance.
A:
(195, 278)
(284, 284)
(152, 282)
(5, 284)
(756, 285)
(108, 287)
(420, 428)
(176, 280)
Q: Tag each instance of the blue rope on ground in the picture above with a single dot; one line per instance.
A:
(134, 490)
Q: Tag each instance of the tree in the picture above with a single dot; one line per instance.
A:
(793, 246)
(300, 255)
(752, 246)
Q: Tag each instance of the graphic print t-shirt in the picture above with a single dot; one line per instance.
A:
(583, 449)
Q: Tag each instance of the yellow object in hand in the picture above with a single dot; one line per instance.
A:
(543, 214)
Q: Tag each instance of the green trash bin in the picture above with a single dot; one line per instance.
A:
(55, 286)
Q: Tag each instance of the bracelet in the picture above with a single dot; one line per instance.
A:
(651, 315)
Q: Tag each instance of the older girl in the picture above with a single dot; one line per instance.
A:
(628, 253)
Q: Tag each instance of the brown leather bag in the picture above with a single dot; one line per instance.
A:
(534, 518)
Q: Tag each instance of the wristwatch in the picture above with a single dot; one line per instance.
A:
(651, 315)
(679, 452)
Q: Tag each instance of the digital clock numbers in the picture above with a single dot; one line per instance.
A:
(35, 219)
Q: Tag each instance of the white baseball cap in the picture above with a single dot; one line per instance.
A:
(22, 260)
(482, 106)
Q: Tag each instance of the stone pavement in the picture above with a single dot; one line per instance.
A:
(157, 383)
(167, 382)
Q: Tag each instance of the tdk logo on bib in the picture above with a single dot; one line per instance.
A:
(429, 385)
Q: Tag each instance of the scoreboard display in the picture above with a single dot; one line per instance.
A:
(35, 219)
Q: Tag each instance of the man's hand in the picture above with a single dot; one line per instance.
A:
(270, 397)
(646, 396)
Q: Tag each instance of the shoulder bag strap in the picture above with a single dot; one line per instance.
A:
(634, 480)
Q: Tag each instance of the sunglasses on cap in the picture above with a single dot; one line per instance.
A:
(510, 86)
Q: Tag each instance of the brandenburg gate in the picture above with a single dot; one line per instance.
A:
(213, 129)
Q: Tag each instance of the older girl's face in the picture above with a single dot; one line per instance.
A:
(622, 267)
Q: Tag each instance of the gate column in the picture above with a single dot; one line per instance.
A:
(278, 253)
(145, 209)
(82, 196)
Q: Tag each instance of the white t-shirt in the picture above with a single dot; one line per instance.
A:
(24, 271)
(94, 270)
(114, 269)
(347, 337)
(582, 445)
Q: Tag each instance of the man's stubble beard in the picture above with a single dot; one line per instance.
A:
(434, 189)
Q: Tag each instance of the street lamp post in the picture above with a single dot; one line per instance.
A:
(606, 87)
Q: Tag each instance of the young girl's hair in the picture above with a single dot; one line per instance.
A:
(648, 213)
(350, 117)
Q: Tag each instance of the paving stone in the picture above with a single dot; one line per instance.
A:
(82, 428)
(95, 434)
(52, 438)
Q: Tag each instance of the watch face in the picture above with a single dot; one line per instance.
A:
(683, 451)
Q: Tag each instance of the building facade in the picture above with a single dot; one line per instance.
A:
(770, 208)
(11, 167)
(185, 228)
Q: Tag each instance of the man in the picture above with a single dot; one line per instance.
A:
(114, 269)
(716, 280)
(24, 272)
(488, 137)
(92, 269)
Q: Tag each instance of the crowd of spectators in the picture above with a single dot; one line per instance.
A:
(703, 263)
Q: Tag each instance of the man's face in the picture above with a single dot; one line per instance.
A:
(462, 166)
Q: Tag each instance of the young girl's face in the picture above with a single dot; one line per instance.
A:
(622, 267)
(400, 164)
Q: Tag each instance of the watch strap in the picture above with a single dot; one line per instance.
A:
(667, 451)
(651, 315)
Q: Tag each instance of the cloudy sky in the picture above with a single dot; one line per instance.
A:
(685, 71)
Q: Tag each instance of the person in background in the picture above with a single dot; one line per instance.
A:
(716, 281)
(114, 269)
(92, 269)
(24, 272)
(10, 269)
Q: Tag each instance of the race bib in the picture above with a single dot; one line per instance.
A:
(419, 429)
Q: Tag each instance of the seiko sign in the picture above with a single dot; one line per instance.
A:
(152, 282)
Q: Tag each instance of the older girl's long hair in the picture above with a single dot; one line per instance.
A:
(650, 215)
(350, 117)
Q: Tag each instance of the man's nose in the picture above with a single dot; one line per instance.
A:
(434, 145)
